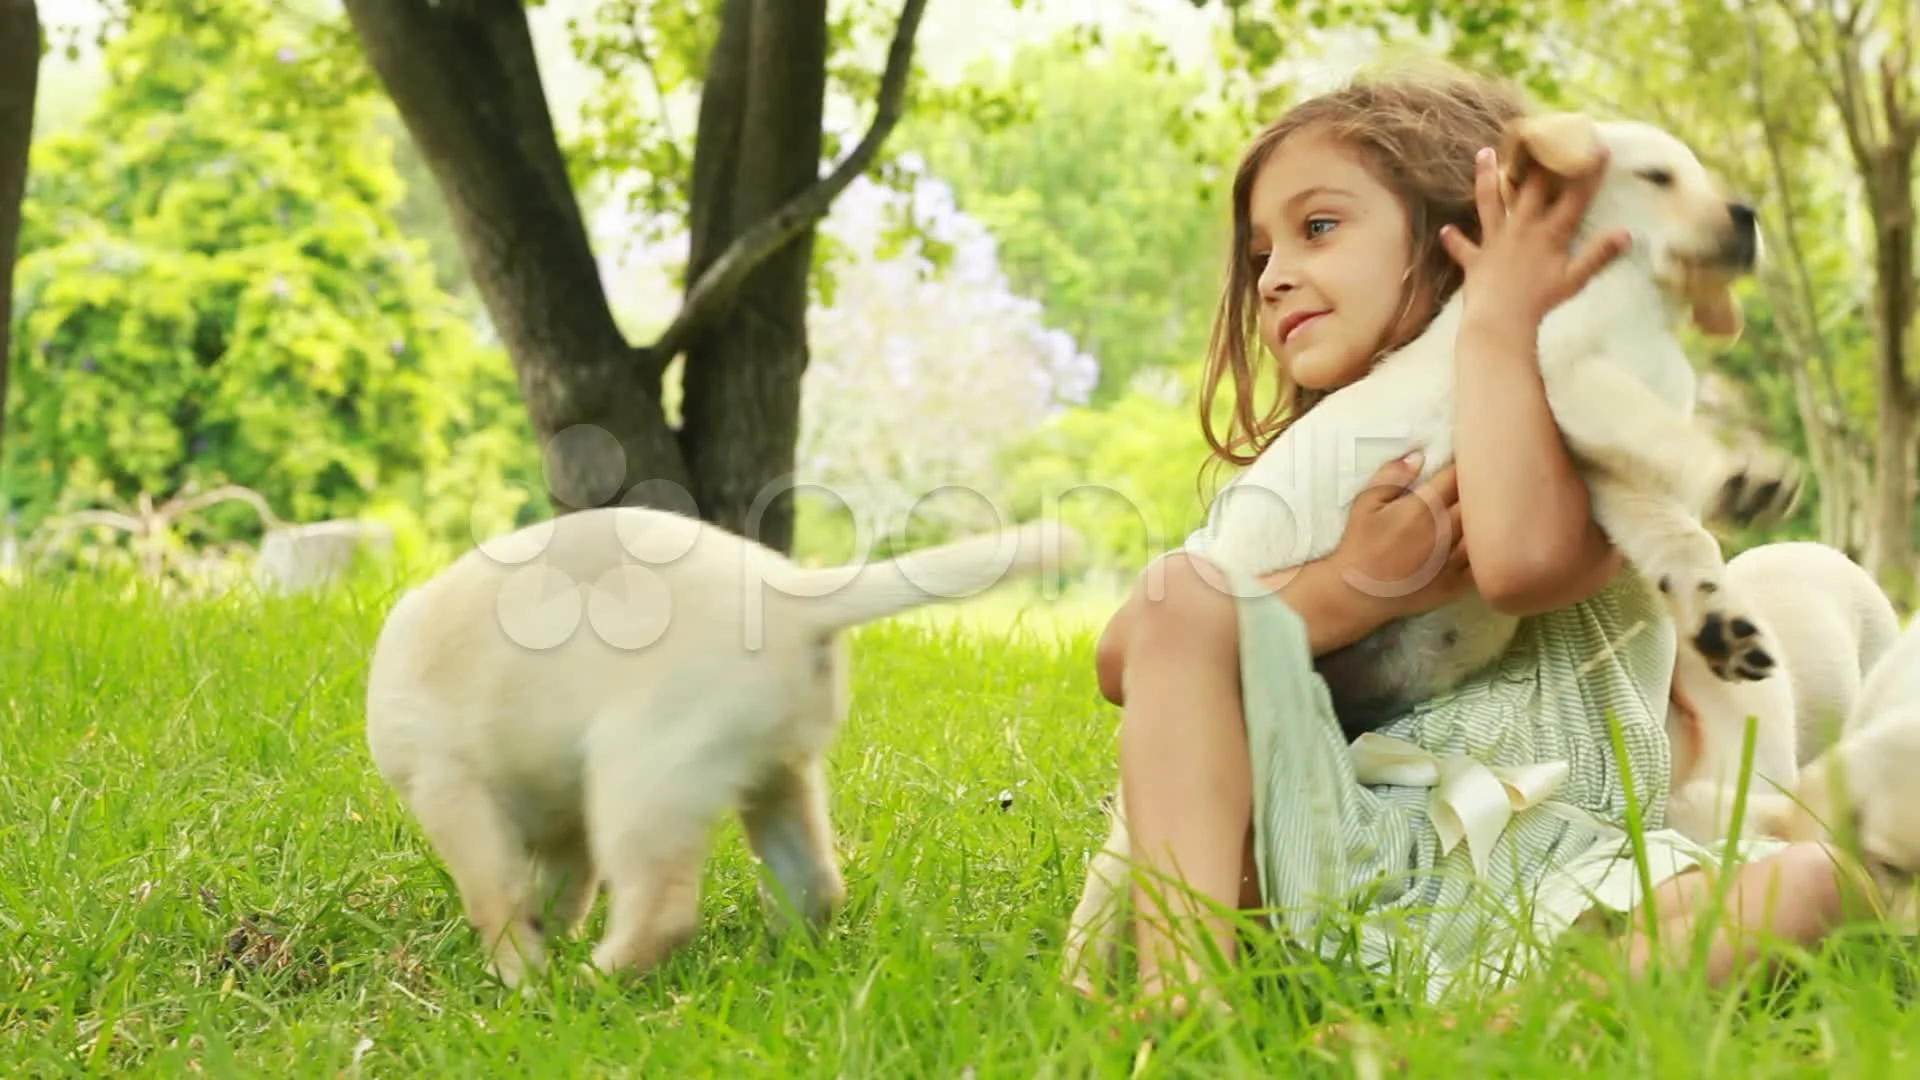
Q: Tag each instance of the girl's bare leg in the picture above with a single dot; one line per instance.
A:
(1797, 895)
(1185, 769)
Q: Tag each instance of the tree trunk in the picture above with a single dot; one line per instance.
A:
(464, 79)
(1890, 554)
(759, 148)
(20, 45)
(1890, 550)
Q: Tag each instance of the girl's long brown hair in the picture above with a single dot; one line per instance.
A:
(1416, 132)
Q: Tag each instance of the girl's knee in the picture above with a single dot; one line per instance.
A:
(1850, 887)
(1110, 656)
(1178, 606)
(1184, 599)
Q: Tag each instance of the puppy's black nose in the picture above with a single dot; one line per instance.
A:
(1746, 233)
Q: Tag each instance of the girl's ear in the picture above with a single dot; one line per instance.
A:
(1562, 145)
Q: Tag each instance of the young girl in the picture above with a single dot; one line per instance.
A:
(1352, 216)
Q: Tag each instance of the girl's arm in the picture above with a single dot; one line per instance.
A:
(1523, 508)
(1389, 537)
(1335, 614)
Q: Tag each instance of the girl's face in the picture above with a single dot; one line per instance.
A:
(1332, 248)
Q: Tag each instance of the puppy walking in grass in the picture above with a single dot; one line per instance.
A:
(578, 702)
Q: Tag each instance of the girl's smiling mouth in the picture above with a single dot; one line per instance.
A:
(1294, 322)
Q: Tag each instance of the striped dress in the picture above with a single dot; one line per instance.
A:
(1360, 870)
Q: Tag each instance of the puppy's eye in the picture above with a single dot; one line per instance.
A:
(1657, 177)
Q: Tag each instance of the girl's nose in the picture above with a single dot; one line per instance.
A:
(1275, 280)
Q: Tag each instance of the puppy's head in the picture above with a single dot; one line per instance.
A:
(1857, 796)
(1694, 239)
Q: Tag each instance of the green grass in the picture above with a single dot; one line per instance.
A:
(201, 873)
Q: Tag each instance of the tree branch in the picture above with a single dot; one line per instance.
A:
(716, 143)
(182, 505)
(1895, 99)
(644, 54)
(465, 81)
(1850, 22)
(1857, 109)
(717, 283)
(1837, 84)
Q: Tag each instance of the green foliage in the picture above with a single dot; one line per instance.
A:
(1129, 476)
(1106, 193)
(649, 55)
(212, 288)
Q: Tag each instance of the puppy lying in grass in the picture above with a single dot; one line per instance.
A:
(1861, 788)
(577, 703)
(1829, 624)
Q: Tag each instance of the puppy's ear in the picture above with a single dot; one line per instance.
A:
(1563, 145)
(1716, 311)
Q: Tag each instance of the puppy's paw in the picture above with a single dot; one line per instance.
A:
(1733, 645)
(1691, 575)
(1756, 489)
(517, 964)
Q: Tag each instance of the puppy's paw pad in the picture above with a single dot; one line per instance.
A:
(1733, 646)
(1757, 489)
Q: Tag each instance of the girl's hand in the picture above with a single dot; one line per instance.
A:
(1403, 548)
(1525, 265)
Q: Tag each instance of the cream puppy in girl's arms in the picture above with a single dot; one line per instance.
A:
(1621, 389)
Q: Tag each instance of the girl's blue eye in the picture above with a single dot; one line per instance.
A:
(1313, 225)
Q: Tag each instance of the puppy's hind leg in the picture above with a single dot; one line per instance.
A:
(789, 828)
(653, 796)
(648, 831)
(488, 860)
(653, 907)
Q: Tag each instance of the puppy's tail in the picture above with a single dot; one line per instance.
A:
(840, 597)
